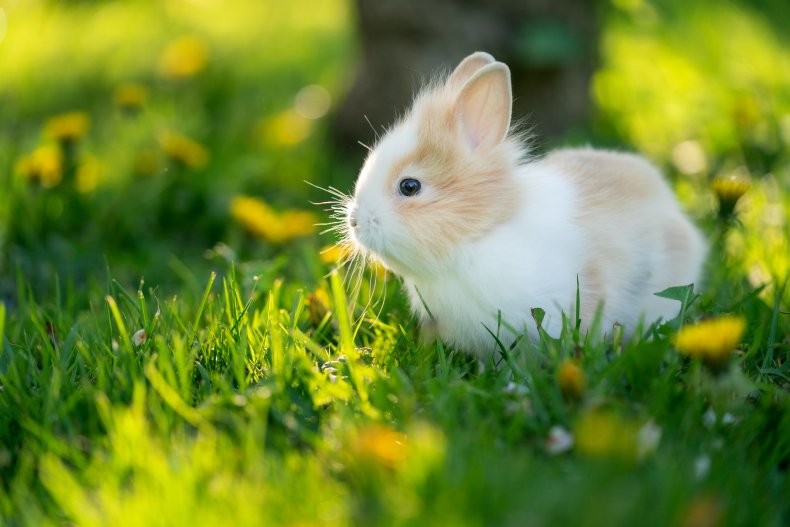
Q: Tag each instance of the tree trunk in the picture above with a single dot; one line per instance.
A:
(550, 46)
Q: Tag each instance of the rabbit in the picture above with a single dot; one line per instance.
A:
(480, 233)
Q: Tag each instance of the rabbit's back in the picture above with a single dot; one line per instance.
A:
(637, 240)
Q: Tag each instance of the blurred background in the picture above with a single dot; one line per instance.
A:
(158, 138)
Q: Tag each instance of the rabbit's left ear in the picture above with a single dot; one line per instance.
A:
(467, 67)
(484, 106)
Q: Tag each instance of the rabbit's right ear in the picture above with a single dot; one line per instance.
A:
(468, 67)
(483, 107)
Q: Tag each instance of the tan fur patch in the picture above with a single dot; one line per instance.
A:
(472, 193)
(677, 240)
(611, 187)
(606, 179)
(592, 291)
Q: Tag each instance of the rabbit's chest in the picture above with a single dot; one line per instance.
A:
(467, 313)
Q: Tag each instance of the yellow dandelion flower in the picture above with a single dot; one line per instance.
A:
(711, 340)
(378, 269)
(298, 222)
(255, 215)
(571, 379)
(334, 254)
(26, 168)
(604, 433)
(287, 128)
(263, 221)
(130, 96)
(184, 150)
(44, 164)
(729, 189)
(49, 161)
(381, 445)
(183, 58)
(67, 127)
(88, 174)
(317, 304)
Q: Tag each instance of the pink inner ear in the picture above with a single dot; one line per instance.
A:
(472, 138)
(476, 120)
(483, 107)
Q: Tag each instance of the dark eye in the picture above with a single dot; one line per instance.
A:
(409, 187)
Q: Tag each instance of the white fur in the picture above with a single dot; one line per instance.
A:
(532, 259)
(515, 268)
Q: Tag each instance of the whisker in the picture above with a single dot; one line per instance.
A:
(375, 132)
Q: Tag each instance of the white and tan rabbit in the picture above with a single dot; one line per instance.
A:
(449, 201)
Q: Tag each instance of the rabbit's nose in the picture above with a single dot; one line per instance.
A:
(352, 218)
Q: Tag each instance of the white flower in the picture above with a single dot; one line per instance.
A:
(515, 389)
(702, 466)
(559, 440)
(648, 438)
(709, 418)
(139, 337)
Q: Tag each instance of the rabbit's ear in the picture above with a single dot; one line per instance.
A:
(467, 67)
(484, 106)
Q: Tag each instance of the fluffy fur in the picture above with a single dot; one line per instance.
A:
(491, 232)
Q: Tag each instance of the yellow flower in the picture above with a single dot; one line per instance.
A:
(183, 58)
(729, 190)
(287, 128)
(334, 254)
(378, 270)
(88, 174)
(381, 445)
(130, 96)
(571, 379)
(44, 165)
(184, 150)
(296, 223)
(604, 433)
(317, 304)
(263, 221)
(711, 340)
(67, 127)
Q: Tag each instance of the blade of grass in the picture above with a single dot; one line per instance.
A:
(2, 325)
(202, 305)
(346, 340)
(173, 400)
(124, 334)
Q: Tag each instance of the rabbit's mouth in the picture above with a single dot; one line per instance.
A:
(364, 232)
(368, 236)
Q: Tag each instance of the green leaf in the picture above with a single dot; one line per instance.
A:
(681, 293)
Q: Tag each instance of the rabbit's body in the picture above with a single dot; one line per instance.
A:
(621, 254)
(448, 202)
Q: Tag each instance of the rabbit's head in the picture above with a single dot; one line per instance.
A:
(442, 176)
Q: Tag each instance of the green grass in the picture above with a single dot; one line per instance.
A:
(238, 408)
(263, 395)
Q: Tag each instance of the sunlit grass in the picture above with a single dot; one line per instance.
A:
(251, 379)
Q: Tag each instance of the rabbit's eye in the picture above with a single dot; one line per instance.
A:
(409, 187)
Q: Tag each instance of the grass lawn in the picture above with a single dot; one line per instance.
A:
(175, 348)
